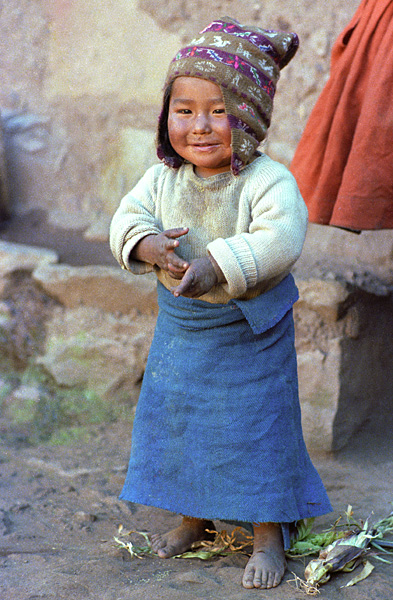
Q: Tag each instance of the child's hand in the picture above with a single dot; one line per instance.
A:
(159, 249)
(200, 277)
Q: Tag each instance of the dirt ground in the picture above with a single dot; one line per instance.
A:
(59, 513)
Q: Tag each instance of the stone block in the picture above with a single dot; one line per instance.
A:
(363, 260)
(107, 288)
(18, 257)
(128, 157)
(324, 297)
(21, 403)
(92, 349)
(319, 389)
(112, 53)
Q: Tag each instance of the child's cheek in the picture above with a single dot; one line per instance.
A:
(177, 131)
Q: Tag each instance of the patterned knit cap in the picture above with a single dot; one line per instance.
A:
(245, 62)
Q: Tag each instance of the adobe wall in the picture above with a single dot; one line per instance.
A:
(81, 87)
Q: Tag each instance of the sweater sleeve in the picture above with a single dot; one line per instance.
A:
(134, 220)
(275, 236)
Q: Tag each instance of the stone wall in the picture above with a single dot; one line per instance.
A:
(345, 348)
(74, 343)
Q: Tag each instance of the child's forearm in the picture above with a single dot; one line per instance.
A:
(144, 250)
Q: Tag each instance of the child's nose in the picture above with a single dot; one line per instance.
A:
(202, 123)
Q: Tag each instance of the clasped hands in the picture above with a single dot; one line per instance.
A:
(196, 278)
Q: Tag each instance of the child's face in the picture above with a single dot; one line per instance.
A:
(198, 126)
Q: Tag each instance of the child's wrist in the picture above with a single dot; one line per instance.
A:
(220, 275)
(143, 249)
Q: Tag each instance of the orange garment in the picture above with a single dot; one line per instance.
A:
(344, 161)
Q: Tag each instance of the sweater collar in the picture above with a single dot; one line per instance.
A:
(215, 181)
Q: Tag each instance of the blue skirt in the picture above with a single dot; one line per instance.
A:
(217, 431)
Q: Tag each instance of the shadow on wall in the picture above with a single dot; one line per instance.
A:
(22, 134)
(4, 194)
(71, 245)
(366, 373)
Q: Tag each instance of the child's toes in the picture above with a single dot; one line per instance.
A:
(260, 579)
(248, 577)
(164, 552)
(270, 581)
(157, 542)
(261, 573)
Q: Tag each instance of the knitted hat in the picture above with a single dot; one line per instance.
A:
(245, 62)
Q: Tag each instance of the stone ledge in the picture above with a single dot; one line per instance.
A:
(107, 288)
(21, 257)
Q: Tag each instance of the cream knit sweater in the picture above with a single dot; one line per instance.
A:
(253, 224)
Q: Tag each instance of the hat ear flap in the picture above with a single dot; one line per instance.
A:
(165, 152)
(290, 53)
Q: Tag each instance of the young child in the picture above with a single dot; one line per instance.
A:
(217, 432)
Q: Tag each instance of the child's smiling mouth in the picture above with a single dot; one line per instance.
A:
(205, 146)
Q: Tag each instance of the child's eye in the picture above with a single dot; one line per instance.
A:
(219, 111)
(184, 111)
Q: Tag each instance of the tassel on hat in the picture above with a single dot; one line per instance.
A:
(245, 61)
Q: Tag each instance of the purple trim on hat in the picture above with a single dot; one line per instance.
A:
(236, 163)
(231, 60)
(170, 161)
(236, 123)
(257, 39)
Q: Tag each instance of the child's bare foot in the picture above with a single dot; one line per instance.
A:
(267, 565)
(180, 540)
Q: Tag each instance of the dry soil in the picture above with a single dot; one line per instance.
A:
(59, 513)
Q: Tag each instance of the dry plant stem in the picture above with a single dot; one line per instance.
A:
(267, 564)
(223, 541)
(180, 540)
(300, 584)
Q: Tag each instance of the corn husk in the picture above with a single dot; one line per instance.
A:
(341, 555)
(346, 553)
(368, 568)
(306, 542)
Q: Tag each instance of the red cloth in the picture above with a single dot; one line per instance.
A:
(344, 161)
